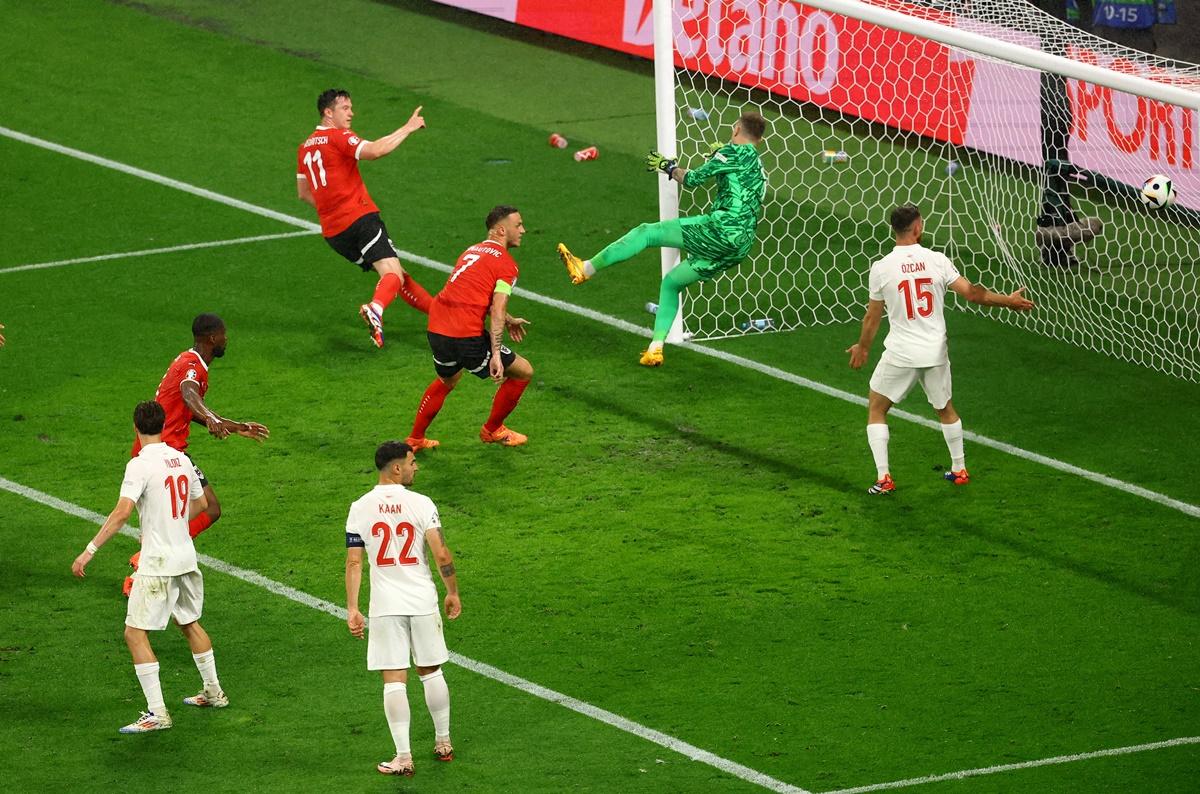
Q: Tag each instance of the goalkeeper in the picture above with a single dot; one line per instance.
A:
(714, 242)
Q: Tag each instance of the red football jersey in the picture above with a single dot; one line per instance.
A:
(188, 365)
(328, 159)
(460, 308)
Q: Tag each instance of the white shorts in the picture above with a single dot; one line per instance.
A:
(154, 600)
(391, 638)
(895, 382)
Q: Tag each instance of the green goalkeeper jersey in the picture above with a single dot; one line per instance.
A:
(726, 231)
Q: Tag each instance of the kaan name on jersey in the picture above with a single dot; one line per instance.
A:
(390, 508)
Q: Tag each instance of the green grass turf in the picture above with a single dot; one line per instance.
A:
(689, 548)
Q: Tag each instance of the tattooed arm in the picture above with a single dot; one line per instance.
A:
(445, 565)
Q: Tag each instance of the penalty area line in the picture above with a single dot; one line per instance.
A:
(151, 251)
(480, 668)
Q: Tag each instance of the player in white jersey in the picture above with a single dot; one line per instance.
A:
(910, 283)
(393, 525)
(162, 484)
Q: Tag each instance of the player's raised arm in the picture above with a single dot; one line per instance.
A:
(983, 296)
(373, 150)
(860, 351)
(445, 565)
(112, 525)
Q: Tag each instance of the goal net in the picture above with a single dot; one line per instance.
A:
(1025, 177)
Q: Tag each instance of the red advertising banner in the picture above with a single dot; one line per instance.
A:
(889, 77)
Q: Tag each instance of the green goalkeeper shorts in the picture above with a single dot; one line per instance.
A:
(713, 247)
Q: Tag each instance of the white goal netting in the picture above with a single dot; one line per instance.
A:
(1013, 168)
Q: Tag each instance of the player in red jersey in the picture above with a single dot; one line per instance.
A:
(479, 286)
(181, 394)
(327, 178)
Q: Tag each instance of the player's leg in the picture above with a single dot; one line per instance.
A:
(518, 372)
(188, 608)
(148, 610)
(437, 699)
(448, 363)
(664, 234)
(673, 284)
(937, 385)
(878, 435)
(399, 717)
(427, 410)
(399, 282)
(430, 653)
(389, 646)
(212, 510)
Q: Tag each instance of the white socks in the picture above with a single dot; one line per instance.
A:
(207, 665)
(588, 269)
(655, 347)
(877, 437)
(954, 442)
(395, 708)
(437, 698)
(151, 687)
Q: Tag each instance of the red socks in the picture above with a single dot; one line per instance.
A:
(199, 524)
(507, 397)
(415, 295)
(431, 403)
(386, 289)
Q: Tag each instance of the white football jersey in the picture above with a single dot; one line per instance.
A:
(162, 481)
(390, 522)
(912, 281)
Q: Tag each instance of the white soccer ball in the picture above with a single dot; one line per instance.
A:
(1158, 192)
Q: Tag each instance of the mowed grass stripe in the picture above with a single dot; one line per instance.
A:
(566, 701)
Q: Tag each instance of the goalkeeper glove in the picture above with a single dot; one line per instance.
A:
(715, 147)
(656, 162)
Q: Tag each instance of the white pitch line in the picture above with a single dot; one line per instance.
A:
(1053, 463)
(160, 179)
(991, 770)
(151, 251)
(486, 670)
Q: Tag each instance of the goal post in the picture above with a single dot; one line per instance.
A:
(665, 120)
(1023, 140)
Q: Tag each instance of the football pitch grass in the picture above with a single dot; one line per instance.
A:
(689, 548)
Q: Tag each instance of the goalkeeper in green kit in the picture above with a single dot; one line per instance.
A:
(714, 242)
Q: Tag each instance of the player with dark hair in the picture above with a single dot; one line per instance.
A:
(392, 525)
(715, 242)
(181, 394)
(910, 283)
(161, 483)
(327, 178)
(479, 287)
